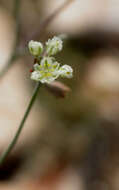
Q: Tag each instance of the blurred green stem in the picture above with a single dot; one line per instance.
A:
(12, 57)
(14, 141)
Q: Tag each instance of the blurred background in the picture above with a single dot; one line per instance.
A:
(69, 143)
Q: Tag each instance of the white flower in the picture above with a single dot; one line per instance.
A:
(53, 46)
(66, 71)
(35, 48)
(47, 71)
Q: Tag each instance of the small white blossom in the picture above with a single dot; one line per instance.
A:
(54, 45)
(35, 48)
(66, 71)
(47, 71)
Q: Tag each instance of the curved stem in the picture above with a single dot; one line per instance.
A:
(14, 141)
(12, 57)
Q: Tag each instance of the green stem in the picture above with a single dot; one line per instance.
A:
(14, 141)
(12, 57)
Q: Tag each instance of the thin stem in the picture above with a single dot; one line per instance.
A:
(14, 141)
(11, 60)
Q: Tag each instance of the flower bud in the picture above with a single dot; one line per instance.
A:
(66, 71)
(35, 48)
(53, 46)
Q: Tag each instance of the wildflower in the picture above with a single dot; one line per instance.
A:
(47, 71)
(35, 48)
(46, 68)
(54, 45)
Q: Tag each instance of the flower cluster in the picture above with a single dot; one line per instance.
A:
(47, 69)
